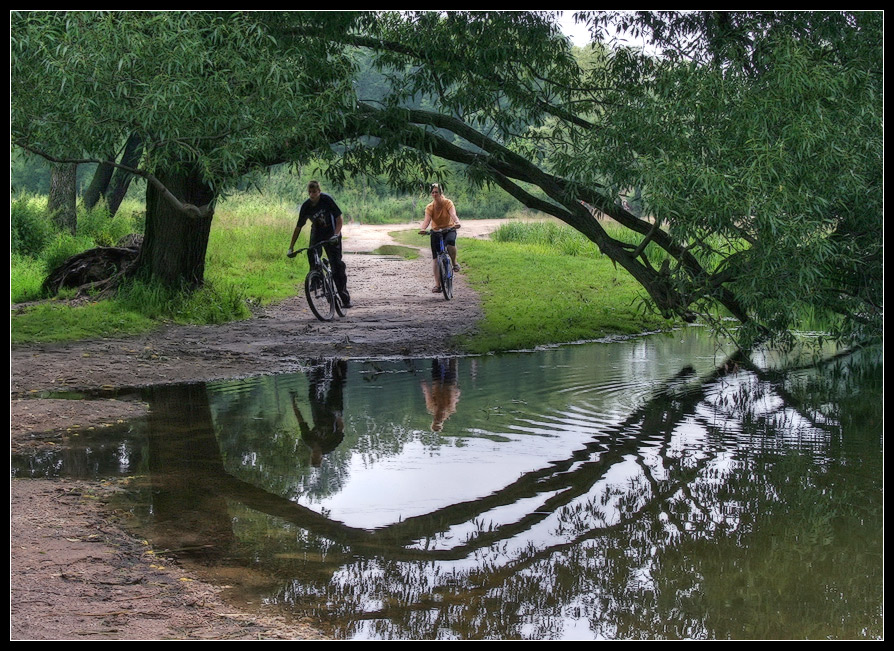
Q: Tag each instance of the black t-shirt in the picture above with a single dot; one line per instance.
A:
(322, 216)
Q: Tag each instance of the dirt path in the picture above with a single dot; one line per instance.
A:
(76, 574)
(394, 314)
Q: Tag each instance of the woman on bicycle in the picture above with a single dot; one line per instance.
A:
(440, 214)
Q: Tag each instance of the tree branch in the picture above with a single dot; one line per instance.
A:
(188, 209)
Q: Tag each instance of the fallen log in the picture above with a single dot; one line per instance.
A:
(91, 268)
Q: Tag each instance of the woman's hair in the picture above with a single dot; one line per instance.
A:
(436, 186)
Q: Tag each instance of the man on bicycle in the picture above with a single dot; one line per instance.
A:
(441, 214)
(326, 222)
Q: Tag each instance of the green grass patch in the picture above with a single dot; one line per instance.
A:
(137, 307)
(533, 296)
(543, 283)
(51, 321)
(411, 238)
(539, 284)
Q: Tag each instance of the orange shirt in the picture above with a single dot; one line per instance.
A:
(442, 216)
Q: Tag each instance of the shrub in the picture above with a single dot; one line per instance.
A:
(64, 246)
(102, 228)
(30, 229)
(25, 278)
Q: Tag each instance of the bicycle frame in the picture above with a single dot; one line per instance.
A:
(319, 285)
(318, 260)
(445, 265)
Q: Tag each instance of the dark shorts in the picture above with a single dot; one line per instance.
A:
(449, 240)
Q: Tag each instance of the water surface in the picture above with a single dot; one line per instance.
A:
(653, 488)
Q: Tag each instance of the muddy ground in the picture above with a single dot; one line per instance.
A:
(74, 571)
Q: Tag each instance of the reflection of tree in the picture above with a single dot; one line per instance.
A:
(185, 467)
(442, 393)
(326, 382)
(620, 552)
(638, 531)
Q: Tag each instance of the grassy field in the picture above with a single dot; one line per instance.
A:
(245, 267)
(545, 283)
(540, 283)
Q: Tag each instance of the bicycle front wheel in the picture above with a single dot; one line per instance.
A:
(445, 270)
(318, 290)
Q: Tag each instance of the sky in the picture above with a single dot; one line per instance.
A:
(578, 33)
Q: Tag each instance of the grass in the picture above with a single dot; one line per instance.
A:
(534, 293)
(405, 252)
(247, 248)
(246, 266)
(49, 322)
(540, 283)
(531, 297)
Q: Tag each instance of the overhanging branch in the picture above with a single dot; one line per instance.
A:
(188, 209)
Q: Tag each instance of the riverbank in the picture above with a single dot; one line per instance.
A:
(75, 574)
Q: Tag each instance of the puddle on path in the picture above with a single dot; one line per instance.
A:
(618, 490)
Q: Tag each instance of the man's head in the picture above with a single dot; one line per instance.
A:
(313, 191)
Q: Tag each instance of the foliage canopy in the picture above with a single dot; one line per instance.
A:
(747, 146)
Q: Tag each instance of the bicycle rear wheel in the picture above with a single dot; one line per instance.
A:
(318, 290)
(445, 270)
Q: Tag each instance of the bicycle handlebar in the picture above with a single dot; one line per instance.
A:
(334, 238)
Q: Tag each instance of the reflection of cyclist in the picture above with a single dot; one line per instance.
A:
(442, 395)
(326, 222)
(326, 393)
(441, 213)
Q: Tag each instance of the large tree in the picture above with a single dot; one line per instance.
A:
(746, 146)
(752, 142)
(205, 95)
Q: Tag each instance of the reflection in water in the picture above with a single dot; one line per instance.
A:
(442, 393)
(326, 395)
(642, 489)
(184, 468)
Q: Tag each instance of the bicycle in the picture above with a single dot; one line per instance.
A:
(319, 285)
(445, 265)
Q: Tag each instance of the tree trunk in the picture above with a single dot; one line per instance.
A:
(110, 182)
(174, 243)
(119, 183)
(98, 185)
(62, 202)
